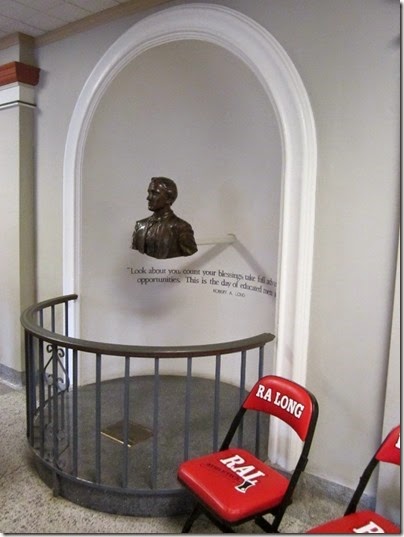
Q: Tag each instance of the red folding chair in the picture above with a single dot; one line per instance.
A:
(232, 485)
(367, 521)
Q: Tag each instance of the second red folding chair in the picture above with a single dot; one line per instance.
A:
(355, 521)
(232, 485)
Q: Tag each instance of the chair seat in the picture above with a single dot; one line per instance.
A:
(234, 483)
(361, 522)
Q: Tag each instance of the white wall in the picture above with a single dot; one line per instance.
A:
(191, 111)
(349, 64)
(388, 501)
(347, 54)
(65, 66)
(17, 270)
(10, 239)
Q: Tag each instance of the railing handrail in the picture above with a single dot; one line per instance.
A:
(29, 323)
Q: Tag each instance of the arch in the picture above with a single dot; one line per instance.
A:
(260, 51)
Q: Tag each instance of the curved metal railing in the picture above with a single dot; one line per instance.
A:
(57, 406)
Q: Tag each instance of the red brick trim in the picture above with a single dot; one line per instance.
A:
(19, 72)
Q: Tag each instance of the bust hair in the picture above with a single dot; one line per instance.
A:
(169, 186)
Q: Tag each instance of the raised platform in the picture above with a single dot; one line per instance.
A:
(141, 496)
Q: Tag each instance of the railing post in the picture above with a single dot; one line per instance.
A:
(55, 420)
(41, 381)
(53, 319)
(242, 392)
(156, 397)
(126, 423)
(29, 385)
(66, 317)
(98, 418)
(258, 418)
(216, 412)
(187, 408)
(75, 415)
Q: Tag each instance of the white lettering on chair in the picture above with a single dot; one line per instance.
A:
(231, 461)
(283, 401)
(370, 527)
(267, 395)
(289, 404)
(249, 473)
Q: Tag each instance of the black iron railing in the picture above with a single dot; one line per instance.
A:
(65, 421)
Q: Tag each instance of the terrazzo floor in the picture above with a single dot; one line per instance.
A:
(27, 505)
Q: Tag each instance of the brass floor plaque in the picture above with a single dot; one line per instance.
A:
(136, 433)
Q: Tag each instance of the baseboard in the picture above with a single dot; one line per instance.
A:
(318, 486)
(10, 376)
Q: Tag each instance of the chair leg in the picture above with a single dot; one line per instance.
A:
(191, 519)
(225, 528)
(265, 525)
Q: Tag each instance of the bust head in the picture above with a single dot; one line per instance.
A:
(166, 186)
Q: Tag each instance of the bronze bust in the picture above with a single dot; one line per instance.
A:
(163, 234)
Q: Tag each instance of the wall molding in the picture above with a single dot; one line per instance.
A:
(16, 38)
(95, 19)
(17, 81)
(11, 377)
(322, 488)
(19, 72)
(17, 95)
(262, 53)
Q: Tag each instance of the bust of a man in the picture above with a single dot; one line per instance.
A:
(163, 234)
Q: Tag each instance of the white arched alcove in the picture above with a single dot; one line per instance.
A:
(256, 47)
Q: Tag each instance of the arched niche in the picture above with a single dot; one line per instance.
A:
(257, 48)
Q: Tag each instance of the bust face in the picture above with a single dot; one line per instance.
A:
(157, 197)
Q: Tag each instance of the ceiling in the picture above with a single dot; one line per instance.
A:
(38, 17)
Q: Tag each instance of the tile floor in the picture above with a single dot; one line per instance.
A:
(29, 507)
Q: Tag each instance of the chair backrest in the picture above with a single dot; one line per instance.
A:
(286, 400)
(390, 451)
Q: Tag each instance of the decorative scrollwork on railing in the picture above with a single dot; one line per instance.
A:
(61, 383)
(55, 420)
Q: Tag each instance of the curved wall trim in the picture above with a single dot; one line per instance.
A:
(258, 49)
